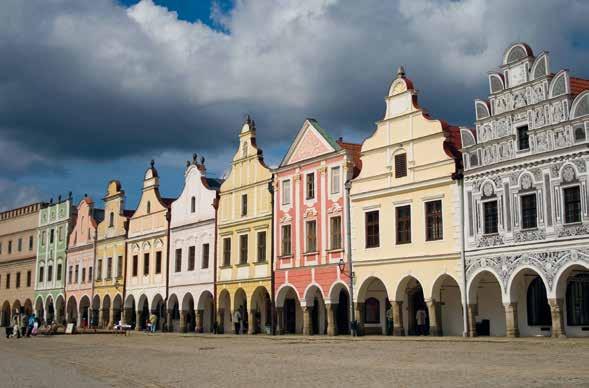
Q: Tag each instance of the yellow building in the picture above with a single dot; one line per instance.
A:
(244, 240)
(109, 280)
(406, 233)
(18, 251)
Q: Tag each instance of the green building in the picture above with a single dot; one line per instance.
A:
(55, 225)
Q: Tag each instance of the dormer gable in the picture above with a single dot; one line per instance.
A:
(311, 141)
(401, 97)
(115, 221)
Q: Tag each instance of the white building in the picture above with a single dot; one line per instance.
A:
(192, 252)
(525, 197)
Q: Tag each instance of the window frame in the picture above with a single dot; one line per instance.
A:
(244, 249)
(261, 248)
(377, 226)
(335, 189)
(565, 189)
(519, 137)
(226, 251)
(310, 186)
(191, 258)
(523, 216)
(399, 232)
(399, 158)
(311, 238)
(178, 260)
(206, 256)
(339, 235)
(483, 213)
(435, 218)
(244, 205)
(284, 241)
(286, 193)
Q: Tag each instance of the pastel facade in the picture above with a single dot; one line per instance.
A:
(526, 201)
(80, 265)
(312, 294)
(18, 250)
(405, 209)
(192, 252)
(244, 237)
(147, 255)
(55, 225)
(111, 237)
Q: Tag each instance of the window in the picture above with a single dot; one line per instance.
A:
(0, 247)
(41, 274)
(433, 221)
(43, 238)
(7, 280)
(372, 229)
(60, 233)
(311, 231)
(9, 247)
(178, 266)
(83, 275)
(89, 274)
(490, 217)
(572, 205)
(403, 214)
(537, 303)
(205, 256)
(109, 268)
(335, 232)
(192, 204)
(286, 192)
(119, 266)
(20, 244)
(135, 265)
(146, 264)
(29, 278)
(523, 138)
(58, 277)
(191, 257)
(579, 134)
(335, 180)
(30, 243)
(400, 165)
(577, 300)
(17, 285)
(529, 214)
(77, 278)
(227, 251)
(310, 186)
(158, 262)
(243, 240)
(148, 207)
(244, 205)
(286, 238)
(70, 274)
(261, 247)
(50, 273)
(99, 270)
(372, 311)
(51, 236)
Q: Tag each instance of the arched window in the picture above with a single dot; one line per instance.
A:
(192, 205)
(579, 134)
(372, 311)
(538, 309)
(148, 207)
(577, 300)
(111, 219)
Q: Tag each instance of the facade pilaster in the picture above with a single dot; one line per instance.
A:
(511, 326)
(472, 311)
(398, 328)
(556, 310)
(330, 311)
(435, 326)
(307, 329)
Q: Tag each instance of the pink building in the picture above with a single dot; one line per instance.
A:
(312, 295)
(80, 266)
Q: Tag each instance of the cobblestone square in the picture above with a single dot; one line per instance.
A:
(170, 360)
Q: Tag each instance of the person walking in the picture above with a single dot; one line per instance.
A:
(15, 326)
(420, 318)
(31, 324)
(237, 321)
(23, 325)
(153, 322)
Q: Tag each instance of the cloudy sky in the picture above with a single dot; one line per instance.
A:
(91, 90)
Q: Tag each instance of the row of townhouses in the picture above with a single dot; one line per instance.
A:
(424, 228)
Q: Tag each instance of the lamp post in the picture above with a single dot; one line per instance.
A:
(353, 323)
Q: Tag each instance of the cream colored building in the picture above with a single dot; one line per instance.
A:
(18, 250)
(406, 236)
(244, 239)
(147, 255)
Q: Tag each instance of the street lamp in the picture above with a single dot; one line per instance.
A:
(342, 265)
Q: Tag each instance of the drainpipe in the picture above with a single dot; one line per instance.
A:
(168, 218)
(215, 307)
(353, 323)
(463, 260)
(272, 280)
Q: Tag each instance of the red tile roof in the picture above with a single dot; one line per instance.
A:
(354, 150)
(578, 85)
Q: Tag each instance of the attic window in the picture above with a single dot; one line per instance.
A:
(400, 165)
(148, 207)
(579, 134)
(192, 205)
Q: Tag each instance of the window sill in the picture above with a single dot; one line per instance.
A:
(435, 239)
(490, 234)
(403, 243)
(311, 253)
(225, 266)
(573, 224)
(335, 250)
(285, 257)
(261, 262)
(242, 265)
(372, 247)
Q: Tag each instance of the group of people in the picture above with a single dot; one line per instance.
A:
(22, 326)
